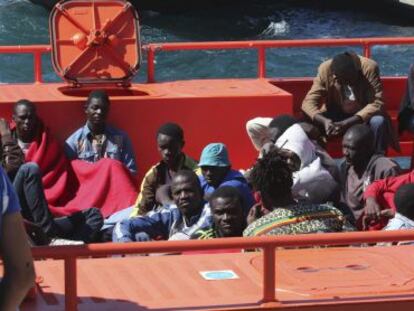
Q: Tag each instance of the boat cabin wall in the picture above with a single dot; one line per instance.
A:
(210, 111)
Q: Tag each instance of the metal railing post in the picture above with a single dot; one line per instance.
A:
(37, 67)
(150, 64)
(71, 295)
(269, 281)
(261, 70)
(367, 49)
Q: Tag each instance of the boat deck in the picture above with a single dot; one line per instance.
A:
(372, 278)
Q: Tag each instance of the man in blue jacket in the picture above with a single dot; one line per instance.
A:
(173, 222)
(216, 172)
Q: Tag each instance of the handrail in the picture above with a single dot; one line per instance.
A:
(70, 253)
(35, 50)
(260, 45)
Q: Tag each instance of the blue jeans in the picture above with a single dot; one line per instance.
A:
(379, 126)
(377, 123)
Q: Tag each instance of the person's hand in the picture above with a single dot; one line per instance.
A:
(4, 127)
(372, 210)
(387, 213)
(329, 127)
(339, 128)
(342, 126)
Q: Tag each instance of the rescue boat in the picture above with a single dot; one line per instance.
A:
(97, 45)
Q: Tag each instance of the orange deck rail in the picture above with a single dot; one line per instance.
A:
(260, 46)
(268, 244)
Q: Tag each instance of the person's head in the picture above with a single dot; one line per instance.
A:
(214, 163)
(226, 205)
(344, 68)
(279, 125)
(187, 193)
(358, 145)
(404, 200)
(97, 108)
(272, 179)
(26, 120)
(170, 142)
(296, 147)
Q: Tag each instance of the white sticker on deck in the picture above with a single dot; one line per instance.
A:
(219, 275)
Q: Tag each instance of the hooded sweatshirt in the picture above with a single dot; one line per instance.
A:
(312, 183)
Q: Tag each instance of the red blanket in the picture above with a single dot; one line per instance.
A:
(76, 185)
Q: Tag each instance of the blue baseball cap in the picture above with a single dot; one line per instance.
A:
(214, 154)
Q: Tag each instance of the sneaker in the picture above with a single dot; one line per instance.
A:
(56, 242)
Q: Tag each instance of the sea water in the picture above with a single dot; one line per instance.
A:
(24, 23)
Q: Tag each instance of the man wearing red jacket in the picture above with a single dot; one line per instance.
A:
(379, 197)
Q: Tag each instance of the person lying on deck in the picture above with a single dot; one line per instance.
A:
(18, 272)
(96, 139)
(278, 213)
(347, 91)
(27, 181)
(226, 204)
(70, 186)
(362, 167)
(216, 172)
(172, 222)
(170, 142)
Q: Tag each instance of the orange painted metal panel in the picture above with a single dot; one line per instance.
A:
(208, 110)
(95, 41)
(330, 278)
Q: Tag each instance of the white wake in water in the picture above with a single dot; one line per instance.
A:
(276, 29)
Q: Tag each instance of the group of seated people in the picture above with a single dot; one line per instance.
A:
(85, 192)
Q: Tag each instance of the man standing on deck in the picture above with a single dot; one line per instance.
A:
(362, 166)
(347, 91)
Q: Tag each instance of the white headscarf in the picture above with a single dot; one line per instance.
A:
(312, 183)
(296, 140)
